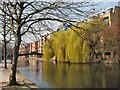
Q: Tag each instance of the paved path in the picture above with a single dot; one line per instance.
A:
(21, 79)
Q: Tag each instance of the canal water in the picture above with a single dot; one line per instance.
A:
(61, 75)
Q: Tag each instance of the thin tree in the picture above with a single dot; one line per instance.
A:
(6, 35)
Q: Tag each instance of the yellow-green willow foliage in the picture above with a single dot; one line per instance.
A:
(68, 46)
(85, 52)
(59, 44)
(47, 50)
(74, 47)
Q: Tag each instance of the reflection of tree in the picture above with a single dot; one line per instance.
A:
(103, 78)
(37, 68)
(118, 77)
(77, 76)
(65, 76)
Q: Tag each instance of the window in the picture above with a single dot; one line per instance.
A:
(106, 20)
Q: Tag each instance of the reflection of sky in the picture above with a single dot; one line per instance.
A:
(101, 5)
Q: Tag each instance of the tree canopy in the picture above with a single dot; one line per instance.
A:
(76, 44)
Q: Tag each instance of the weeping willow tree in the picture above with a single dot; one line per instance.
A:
(47, 51)
(68, 46)
(74, 47)
(59, 45)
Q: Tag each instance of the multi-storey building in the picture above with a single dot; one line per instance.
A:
(111, 16)
(33, 49)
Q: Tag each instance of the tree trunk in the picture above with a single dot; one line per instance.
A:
(92, 52)
(5, 54)
(11, 59)
(12, 78)
(5, 43)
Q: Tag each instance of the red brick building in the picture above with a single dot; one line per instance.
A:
(35, 47)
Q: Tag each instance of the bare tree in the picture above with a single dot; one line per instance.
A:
(6, 35)
(25, 15)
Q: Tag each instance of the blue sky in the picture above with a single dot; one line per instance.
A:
(108, 4)
(104, 5)
(101, 4)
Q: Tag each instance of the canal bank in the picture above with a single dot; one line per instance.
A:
(24, 82)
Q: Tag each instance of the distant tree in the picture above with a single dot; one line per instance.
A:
(93, 35)
(110, 39)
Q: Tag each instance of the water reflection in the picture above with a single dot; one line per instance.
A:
(48, 75)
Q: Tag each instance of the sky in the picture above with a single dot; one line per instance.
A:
(102, 4)
(108, 4)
